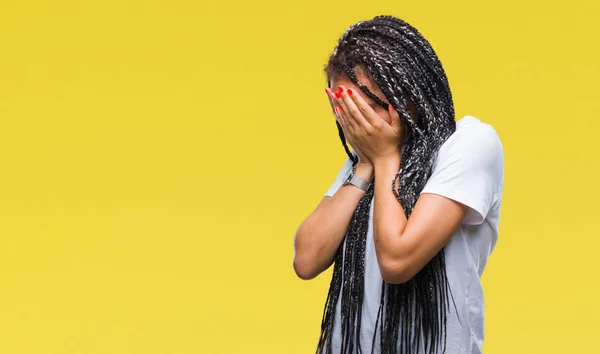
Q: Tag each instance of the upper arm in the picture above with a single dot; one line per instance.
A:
(466, 180)
(470, 170)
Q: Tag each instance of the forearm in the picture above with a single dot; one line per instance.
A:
(319, 236)
(389, 219)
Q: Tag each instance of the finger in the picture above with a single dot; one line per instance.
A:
(334, 107)
(337, 111)
(346, 129)
(330, 98)
(349, 140)
(342, 117)
(359, 115)
(350, 122)
(367, 113)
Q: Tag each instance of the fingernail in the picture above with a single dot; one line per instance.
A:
(337, 94)
(340, 89)
(336, 110)
(350, 92)
(393, 109)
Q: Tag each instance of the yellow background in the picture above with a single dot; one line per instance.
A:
(158, 156)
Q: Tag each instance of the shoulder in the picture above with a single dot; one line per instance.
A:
(469, 168)
(473, 141)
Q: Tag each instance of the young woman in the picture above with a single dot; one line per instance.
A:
(413, 214)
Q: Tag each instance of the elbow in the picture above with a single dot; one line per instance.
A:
(396, 275)
(306, 257)
(395, 270)
(397, 260)
(303, 263)
(303, 269)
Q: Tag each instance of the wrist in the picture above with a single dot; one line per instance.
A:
(365, 171)
(386, 166)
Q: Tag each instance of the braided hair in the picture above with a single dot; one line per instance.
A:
(411, 315)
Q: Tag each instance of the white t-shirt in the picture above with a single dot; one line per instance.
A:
(469, 168)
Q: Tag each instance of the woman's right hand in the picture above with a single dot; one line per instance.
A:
(362, 159)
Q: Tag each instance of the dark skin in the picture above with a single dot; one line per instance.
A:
(350, 129)
(403, 246)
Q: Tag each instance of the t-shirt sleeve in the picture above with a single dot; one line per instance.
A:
(469, 169)
(340, 178)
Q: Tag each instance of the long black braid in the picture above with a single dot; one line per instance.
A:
(403, 64)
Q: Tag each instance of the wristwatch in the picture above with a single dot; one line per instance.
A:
(352, 178)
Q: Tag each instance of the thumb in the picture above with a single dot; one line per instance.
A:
(395, 117)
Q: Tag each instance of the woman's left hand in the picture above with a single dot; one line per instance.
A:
(377, 139)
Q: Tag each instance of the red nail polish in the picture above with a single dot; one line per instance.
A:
(337, 94)
(393, 109)
(340, 89)
(350, 92)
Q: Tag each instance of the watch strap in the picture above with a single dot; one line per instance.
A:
(358, 181)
